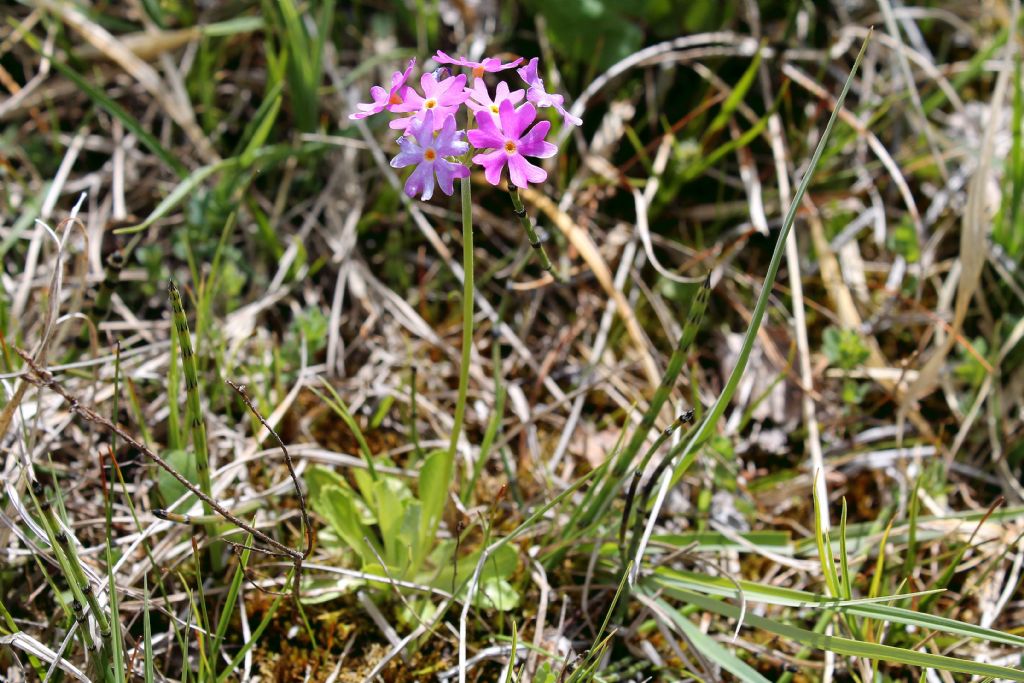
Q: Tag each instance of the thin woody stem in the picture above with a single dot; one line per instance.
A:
(531, 233)
(307, 526)
(43, 378)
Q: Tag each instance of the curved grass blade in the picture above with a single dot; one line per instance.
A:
(688, 448)
(847, 646)
(661, 395)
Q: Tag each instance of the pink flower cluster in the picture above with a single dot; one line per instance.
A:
(503, 135)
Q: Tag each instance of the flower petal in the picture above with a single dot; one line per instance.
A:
(493, 64)
(409, 153)
(449, 141)
(486, 134)
(444, 58)
(452, 91)
(492, 162)
(533, 144)
(421, 180)
(423, 131)
(429, 85)
(529, 73)
(522, 172)
(447, 172)
(514, 121)
(568, 118)
(403, 123)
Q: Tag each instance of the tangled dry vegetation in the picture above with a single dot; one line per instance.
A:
(855, 514)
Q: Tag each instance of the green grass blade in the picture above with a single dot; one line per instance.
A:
(754, 592)
(703, 432)
(114, 109)
(185, 188)
(709, 647)
(846, 646)
(147, 634)
(254, 638)
(675, 366)
(339, 407)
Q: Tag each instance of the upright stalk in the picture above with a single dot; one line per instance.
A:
(467, 325)
(193, 407)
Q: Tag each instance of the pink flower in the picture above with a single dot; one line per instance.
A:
(489, 65)
(541, 97)
(480, 99)
(427, 152)
(510, 144)
(386, 99)
(441, 97)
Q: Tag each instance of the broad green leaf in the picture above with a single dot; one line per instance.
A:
(495, 593)
(390, 507)
(337, 507)
(433, 491)
(171, 489)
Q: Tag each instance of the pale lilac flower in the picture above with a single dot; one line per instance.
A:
(480, 99)
(541, 97)
(442, 97)
(510, 144)
(489, 65)
(421, 147)
(386, 99)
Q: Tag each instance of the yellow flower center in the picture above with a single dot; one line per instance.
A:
(394, 99)
(429, 154)
(478, 71)
(430, 104)
(510, 147)
(494, 108)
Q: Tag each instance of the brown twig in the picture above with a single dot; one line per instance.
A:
(43, 378)
(307, 527)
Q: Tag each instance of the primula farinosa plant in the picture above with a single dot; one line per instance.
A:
(502, 132)
(503, 127)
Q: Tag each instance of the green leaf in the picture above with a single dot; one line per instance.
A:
(709, 647)
(337, 506)
(169, 488)
(391, 507)
(433, 492)
(788, 597)
(495, 593)
(847, 646)
(844, 348)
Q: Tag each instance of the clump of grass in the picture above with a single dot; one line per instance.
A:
(514, 508)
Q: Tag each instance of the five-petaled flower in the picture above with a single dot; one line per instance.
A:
(420, 147)
(386, 99)
(541, 97)
(503, 136)
(440, 97)
(488, 65)
(512, 144)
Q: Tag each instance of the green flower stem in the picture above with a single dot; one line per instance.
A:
(531, 233)
(467, 325)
